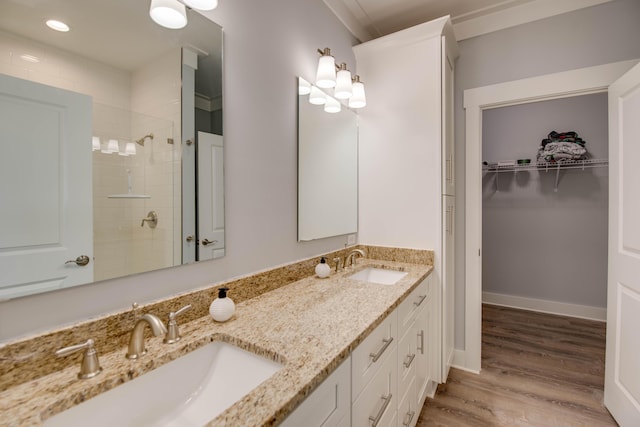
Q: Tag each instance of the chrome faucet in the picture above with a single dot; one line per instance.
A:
(136, 342)
(350, 259)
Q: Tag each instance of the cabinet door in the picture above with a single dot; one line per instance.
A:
(422, 333)
(329, 404)
(448, 285)
(407, 354)
(448, 152)
(408, 409)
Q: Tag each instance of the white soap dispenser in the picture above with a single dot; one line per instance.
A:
(222, 308)
(323, 269)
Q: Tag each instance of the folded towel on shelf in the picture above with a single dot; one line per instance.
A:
(564, 146)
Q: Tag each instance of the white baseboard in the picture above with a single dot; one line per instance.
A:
(459, 361)
(545, 306)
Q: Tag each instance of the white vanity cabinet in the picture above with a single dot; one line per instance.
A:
(387, 377)
(330, 403)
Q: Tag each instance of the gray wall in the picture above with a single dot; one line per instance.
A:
(536, 242)
(266, 45)
(587, 37)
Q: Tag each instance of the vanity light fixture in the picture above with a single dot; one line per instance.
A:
(130, 149)
(168, 13)
(54, 24)
(304, 87)
(343, 88)
(332, 105)
(317, 97)
(326, 73)
(202, 4)
(112, 147)
(172, 14)
(95, 143)
(29, 58)
(358, 98)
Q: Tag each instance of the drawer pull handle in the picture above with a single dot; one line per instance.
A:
(406, 421)
(375, 420)
(385, 344)
(421, 335)
(409, 360)
(422, 298)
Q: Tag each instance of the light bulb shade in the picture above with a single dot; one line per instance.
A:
(304, 87)
(343, 88)
(168, 13)
(317, 97)
(332, 105)
(95, 143)
(130, 149)
(326, 73)
(202, 4)
(358, 99)
(112, 146)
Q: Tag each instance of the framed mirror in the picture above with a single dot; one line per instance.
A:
(327, 170)
(96, 181)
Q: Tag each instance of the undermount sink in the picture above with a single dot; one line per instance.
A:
(187, 392)
(382, 276)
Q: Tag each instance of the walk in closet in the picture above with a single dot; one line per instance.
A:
(544, 226)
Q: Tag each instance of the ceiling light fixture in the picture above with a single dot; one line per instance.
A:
(168, 13)
(57, 25)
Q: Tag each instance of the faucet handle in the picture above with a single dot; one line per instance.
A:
(90, 366)
(339, 263)
(173, 334)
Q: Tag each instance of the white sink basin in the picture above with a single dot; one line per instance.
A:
(381, 276)
(189, 391)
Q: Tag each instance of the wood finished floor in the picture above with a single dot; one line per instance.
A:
(537, 370)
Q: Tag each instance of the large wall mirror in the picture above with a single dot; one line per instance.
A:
(327, 170)
(111, 132)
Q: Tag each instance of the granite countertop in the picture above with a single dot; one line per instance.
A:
(310, 326)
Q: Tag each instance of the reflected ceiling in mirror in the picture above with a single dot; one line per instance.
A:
(327, 167)
(131, 71)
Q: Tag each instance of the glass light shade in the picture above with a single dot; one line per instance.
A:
(343, 88)
(326, 73)
(112, 146)
(358, 99)
(304, 87)
(168, 13)
(332, 105)
(95, 143)
(130, 149)
(202, 4)
(317, 97)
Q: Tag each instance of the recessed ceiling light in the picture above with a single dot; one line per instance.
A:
(29, 58)
(57, 25)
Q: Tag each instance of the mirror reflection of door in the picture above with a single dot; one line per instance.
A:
(210, 196)
(45, 188)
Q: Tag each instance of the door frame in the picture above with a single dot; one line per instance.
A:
(565, 84)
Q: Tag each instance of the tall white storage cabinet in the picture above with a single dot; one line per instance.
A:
(406, 156)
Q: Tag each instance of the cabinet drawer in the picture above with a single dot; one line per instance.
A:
(408, 411)
(367, 358)
(379, 398)
(407, 359)
(418, 298)
(329, 405)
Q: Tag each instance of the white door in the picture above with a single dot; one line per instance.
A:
(46, 208)
(622, 373)
(210, 196)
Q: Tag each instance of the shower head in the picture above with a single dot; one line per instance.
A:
(141, 140)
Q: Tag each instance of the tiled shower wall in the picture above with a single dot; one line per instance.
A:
(121, 245)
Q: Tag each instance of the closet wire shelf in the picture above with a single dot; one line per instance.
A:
(546, 166)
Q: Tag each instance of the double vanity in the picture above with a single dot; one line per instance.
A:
(275, 361)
